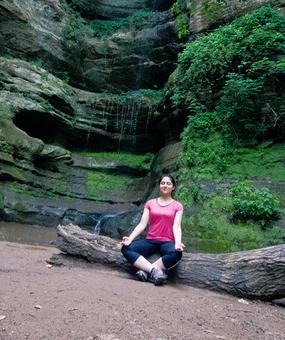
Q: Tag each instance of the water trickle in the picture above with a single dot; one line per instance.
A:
(117, 117)
(100, 222)
(122, 127)
(149, 113)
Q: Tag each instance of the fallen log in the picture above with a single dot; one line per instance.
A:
(255, 274)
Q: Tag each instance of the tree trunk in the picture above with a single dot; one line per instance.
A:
(255, 274)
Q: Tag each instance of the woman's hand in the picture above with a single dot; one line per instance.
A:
(179, 246)
(126, 241)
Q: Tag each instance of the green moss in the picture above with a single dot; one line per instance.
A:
(14, 172)
(146, 96)
(225, 237)
(6, 111)
(19, 206)
(99, 183)
(260, 162)
(28, 190)
(128, 159)
(211, 230)
(45, 104)
(212, 158)
(4, 146)
(212, 9)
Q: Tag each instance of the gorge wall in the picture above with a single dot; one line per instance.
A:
(94, 83)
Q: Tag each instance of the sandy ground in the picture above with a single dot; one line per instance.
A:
(86, 301)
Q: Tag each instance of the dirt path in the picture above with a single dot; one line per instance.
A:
(84, 301)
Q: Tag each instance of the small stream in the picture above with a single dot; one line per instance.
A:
(25, 233)
(39, 235)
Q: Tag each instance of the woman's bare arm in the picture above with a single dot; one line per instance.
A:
(177, 231)
(138, 229)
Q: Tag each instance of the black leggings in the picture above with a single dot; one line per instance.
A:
(170, 257)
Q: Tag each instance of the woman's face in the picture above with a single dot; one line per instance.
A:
(166, 186)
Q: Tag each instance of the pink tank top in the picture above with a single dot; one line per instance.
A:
(161, 219)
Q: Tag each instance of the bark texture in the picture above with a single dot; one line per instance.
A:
(255, 274)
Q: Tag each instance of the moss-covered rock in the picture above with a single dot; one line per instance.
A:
(53, 33)
(21, 144)
(47, 108)
(205, 14)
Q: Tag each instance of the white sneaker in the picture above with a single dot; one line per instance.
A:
(157, 276)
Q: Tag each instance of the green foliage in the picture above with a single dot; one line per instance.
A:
(211, 9)
(45, 104)
(204, 158)
(104, 28)
(210, 228)
(264, 161)
(128, 159)
(236, 75)
(189, 193)
(250, 203)
(210, 156)
(38, 63)
(99, 183)
(4, 146)
(181, 21)
(75, 31)
(65, 76)
(30, 191)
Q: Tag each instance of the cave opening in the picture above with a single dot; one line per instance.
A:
(55, 131)
(41, 125)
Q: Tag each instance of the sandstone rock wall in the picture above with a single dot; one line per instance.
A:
(208, 14)
(110, 9)
(47, 108)
(124, 61)
(113, 103)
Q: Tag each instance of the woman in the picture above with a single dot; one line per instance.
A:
(164, 215)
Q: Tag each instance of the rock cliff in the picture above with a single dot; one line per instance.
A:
(71, 83)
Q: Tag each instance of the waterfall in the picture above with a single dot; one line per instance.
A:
(102, 219)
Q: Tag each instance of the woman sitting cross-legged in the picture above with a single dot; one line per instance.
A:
(164, 215)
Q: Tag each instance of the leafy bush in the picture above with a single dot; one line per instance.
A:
(210, 228)
(236, 74)
(250, 203)
(181, 21)
(203, 159)
(210, 232)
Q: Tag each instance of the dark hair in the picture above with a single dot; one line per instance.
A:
(169, 176)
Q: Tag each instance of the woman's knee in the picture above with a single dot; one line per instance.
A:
(125, 250)
(171, 259)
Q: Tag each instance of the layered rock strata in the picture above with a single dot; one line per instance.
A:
(208, 14)
(47, 108)
(139, 58)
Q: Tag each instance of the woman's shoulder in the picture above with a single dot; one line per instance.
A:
(178, 205)
(150, 202)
